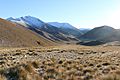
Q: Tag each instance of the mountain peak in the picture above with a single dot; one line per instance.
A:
(61, 25)
(105, 27)
(27, 20)
(10, 18)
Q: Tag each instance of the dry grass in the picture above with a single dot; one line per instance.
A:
(62, 63)
(110, 77)
(2, 77)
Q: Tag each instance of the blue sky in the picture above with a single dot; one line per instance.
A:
(79, 13)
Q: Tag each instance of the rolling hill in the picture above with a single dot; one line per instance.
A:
(14, 35)
(100, 35)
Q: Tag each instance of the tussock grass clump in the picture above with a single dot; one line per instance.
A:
(111, 77)
(87, 70)
(21, 72)
(35, 64)
(29, 68)
(2, 77)
(27, 72)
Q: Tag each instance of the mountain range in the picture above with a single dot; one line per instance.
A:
(31, 31)
(68, 28)
(50, 30)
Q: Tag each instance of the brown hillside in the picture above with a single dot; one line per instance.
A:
(13, 35)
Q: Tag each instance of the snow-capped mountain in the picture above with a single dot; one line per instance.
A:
(67, 28)
(27, 21)
(46, 30)
(62, 25)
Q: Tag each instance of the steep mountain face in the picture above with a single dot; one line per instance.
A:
(44, 29)
(14, 35)
(99, 33)
(66, 27)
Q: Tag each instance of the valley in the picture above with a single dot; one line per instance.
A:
(59, 39)
(65, 62)
(31, 49)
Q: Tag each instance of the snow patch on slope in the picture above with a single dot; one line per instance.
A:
(27, 21)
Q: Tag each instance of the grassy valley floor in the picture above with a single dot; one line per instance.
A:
(65, 62)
